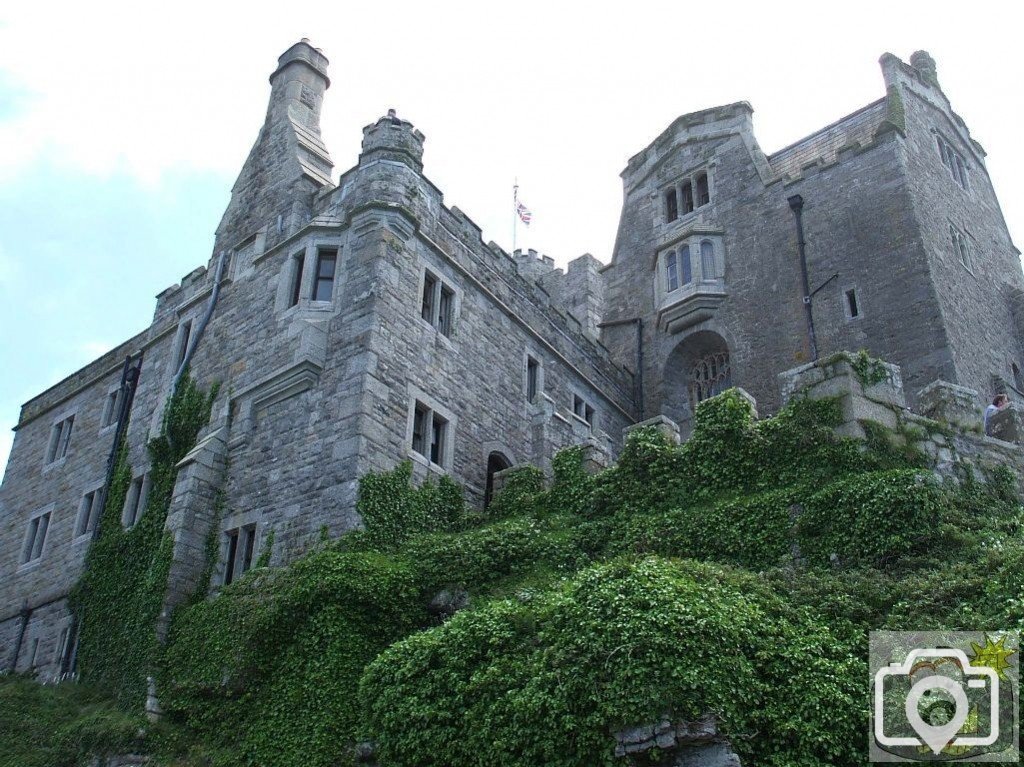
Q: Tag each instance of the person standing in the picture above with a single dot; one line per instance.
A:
(998, 403)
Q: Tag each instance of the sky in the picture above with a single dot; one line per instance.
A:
(124, 125)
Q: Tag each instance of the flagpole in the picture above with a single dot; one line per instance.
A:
(515, 212)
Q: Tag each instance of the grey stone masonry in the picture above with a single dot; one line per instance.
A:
(361, 322)
(358, 325)
(906, 251)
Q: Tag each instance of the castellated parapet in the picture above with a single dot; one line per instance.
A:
(364, 322)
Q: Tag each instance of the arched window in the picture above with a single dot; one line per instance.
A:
(685, 266)
(708, 269)
(671, 272)
(703, 191)
(709, 376)
(495, 462)
(1018, 380)
(687, 198)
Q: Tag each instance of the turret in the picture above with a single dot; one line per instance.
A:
(391, 138)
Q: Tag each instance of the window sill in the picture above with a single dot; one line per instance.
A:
(55, 464)
(78, 540)
(422, 460)
(32, 564)
(691, 304)
(438, 335)
(108, 428)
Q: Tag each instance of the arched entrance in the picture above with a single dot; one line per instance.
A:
(698, 368)
(495, 462)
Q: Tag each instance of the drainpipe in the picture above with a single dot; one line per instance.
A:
(129, 383)
(638, 394)
(796, 203)
(198, 335)
(25, 613)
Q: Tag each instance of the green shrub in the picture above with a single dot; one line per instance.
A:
(873, 519)
(548, 681)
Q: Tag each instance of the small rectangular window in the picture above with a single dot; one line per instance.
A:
(35, 537)
(429, 434)
(532, 378)
(445, 311)
(703, 190)
(135, 503)
(961, 247)
(111, 408)
(60, 439)
(852, 309)
(429, 288)
(582, 409)
(229, 569)
(438, 435)
(241, 550)
(297, 264)
(671, 272)
(419, 429)
(326, 261)
(671, 205)
(88, 512)
(184, 337)
(687, 198)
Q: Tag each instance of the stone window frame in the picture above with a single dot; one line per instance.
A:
(230, 557)
(844, 299)
(27, 559)
(442, 285)
(417, 397)
(306, 253)
(136, 498)
(96, 506)
(58, 443)
(110, 405)
(962, 246)
(675, 191)
(182, 338)
(529, 355)
(315, 277)
(953, 160)
(694, 241)
(580, 401)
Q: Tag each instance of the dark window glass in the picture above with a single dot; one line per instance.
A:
(249, 543)
(429, 287)
(229, 574)
(671, 205)
(437, 434)
(687, 198)
(532, 373)
(445, 311)
(297, 279)
(703, 192)
(685, 266)
(671, 271)
(419, 429)
(851, 303)
(326, 260)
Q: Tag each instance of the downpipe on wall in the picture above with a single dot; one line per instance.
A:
(796, 204)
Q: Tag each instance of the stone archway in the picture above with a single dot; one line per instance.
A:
(496, 462)
(698, 367)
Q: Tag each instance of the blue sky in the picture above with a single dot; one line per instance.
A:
(124, 124)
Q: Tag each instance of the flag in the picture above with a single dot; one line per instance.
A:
(524, 213)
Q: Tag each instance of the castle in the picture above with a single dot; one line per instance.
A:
(360, 323)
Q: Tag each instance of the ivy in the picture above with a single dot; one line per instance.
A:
(119, 596)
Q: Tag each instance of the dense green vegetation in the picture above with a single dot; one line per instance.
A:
(736, 574)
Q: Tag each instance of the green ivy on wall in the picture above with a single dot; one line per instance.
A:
(118, 598)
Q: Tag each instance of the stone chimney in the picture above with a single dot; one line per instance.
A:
(289, 163)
